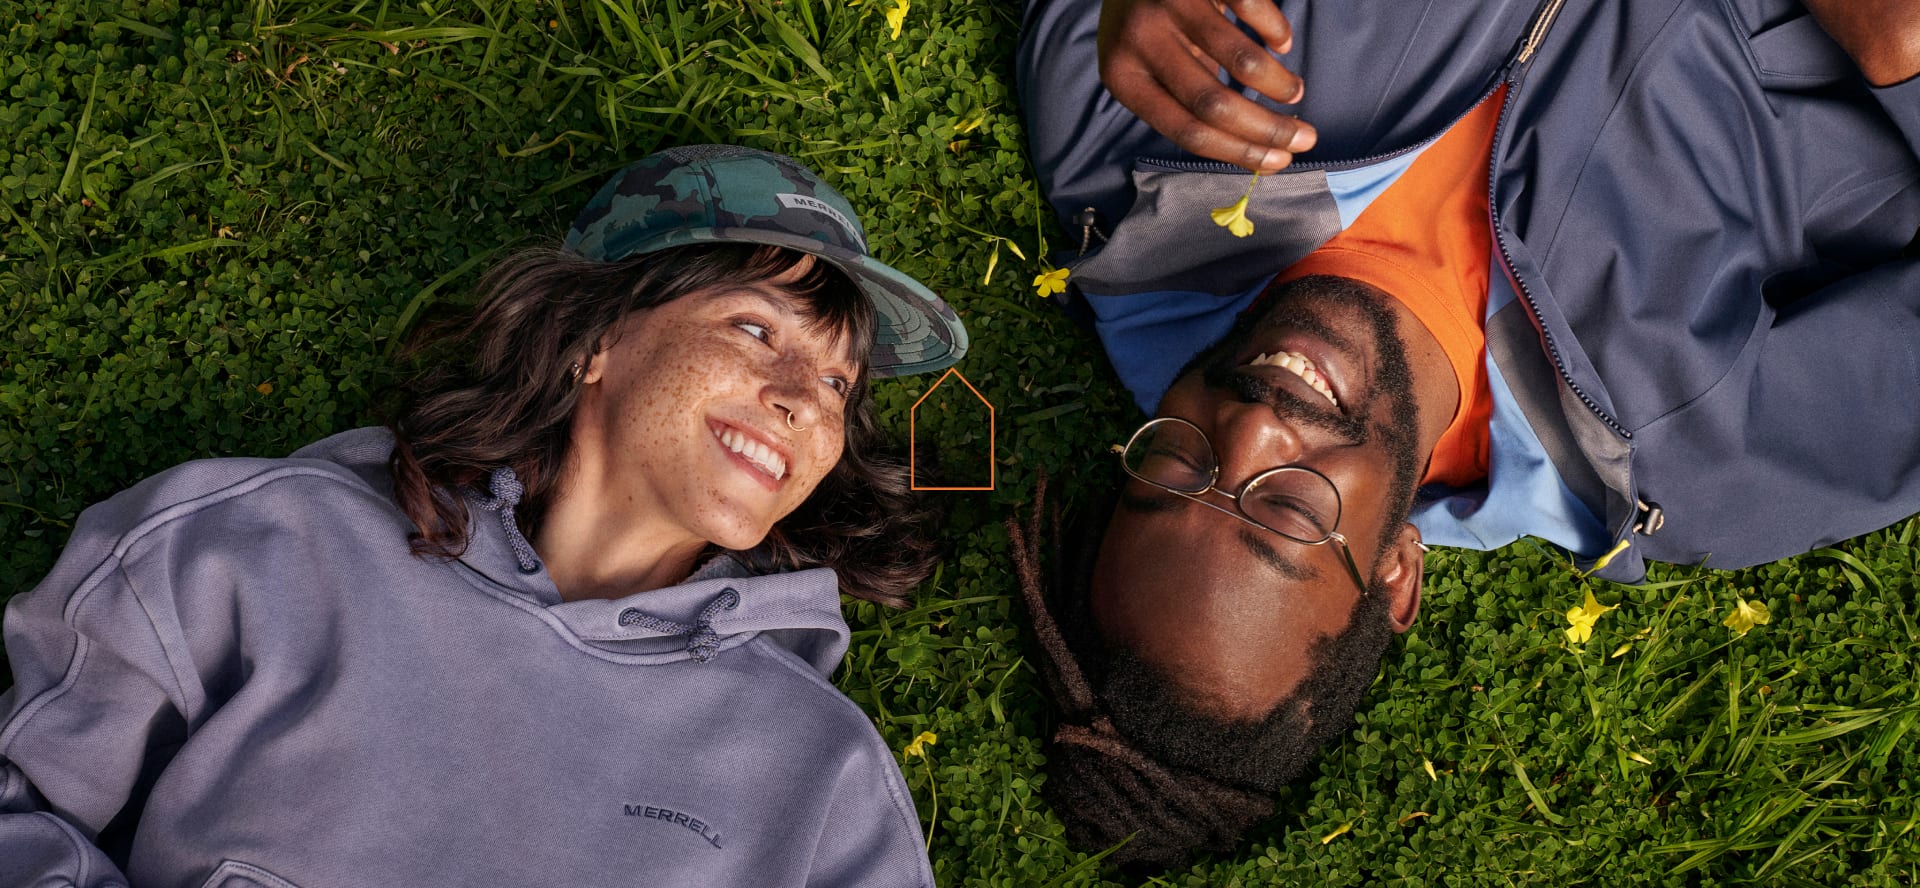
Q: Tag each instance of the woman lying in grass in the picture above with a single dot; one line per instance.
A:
(568, 621)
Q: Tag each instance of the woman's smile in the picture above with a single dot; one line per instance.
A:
(765, 462)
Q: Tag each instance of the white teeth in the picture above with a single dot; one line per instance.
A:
(757, 453)
(1299, 365)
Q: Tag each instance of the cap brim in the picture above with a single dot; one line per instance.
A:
(915, 331)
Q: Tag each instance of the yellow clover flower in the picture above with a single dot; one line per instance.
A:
(1580, 620)
(1048, 283)
(1746, 615)
(897, 16)
(1234, 217)
(919, 745)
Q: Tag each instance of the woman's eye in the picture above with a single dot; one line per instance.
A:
(754, 330)
(840, 386)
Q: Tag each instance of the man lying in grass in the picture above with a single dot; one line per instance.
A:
(1636, 280)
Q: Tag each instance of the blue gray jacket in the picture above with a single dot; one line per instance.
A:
(1704, 326)
(237, 675)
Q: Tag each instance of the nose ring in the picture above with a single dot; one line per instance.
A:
(791, 425)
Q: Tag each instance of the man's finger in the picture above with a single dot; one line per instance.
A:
(1266, 19)
(1171, 116)
(1250, 129)
(1245, 61)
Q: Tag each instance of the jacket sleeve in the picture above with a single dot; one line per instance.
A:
(1818, 440)
(94, 712)
(872, 837)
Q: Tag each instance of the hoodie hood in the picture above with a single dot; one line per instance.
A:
(720, 606)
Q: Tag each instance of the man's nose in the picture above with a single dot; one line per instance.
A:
(1249, 439)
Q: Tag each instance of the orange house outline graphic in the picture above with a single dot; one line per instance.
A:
(913, 434)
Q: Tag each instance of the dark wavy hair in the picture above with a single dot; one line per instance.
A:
(1133, 757)
(496, 388)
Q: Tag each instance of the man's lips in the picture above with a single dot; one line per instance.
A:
(765, 460)
(1299, 365)
(1303, 363)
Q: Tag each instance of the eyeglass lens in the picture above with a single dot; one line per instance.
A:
(1294, 502)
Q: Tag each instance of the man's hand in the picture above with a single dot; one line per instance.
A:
(1882, 36)
(1161, 59)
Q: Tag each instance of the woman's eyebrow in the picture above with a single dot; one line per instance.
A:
(760, 295)
(849, 354)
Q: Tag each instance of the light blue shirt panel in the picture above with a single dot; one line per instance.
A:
(1354, 190)
(1523, 494)
(1150, 336)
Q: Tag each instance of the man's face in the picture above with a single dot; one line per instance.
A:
(1232, 610)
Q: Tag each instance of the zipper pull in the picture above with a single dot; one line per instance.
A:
(1088, 230)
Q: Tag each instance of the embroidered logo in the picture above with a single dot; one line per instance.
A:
(803, 202)
(678, 818)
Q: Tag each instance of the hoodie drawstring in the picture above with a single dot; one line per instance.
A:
(702, 641)
(506, 490)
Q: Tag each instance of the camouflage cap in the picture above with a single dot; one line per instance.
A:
(705, 193)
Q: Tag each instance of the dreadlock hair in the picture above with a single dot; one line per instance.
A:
(1133, 758)
(497, 388)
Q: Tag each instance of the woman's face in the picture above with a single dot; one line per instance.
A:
(687, 409)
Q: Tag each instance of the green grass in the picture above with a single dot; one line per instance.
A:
(219, 221)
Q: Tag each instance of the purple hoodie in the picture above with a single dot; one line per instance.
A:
(238, 675)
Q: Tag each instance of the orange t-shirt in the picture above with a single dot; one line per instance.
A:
(1427, 240)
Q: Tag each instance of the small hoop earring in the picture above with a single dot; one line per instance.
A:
(1424, 548)
(574, 371)
(791, 425)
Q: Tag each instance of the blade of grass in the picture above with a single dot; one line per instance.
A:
(80, 132)
(1849, 560)
(1539, 801)
(423, 298)
(795, 42)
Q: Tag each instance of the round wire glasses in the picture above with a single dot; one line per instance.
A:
(1295, 502)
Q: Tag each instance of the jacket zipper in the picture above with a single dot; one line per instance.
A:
(1213, 166)
(1536, 34)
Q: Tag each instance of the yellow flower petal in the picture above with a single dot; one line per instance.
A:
(1746, 615)
(1050, 282)
(1580, 620)
(1338, 831)
(265, 388)
(1234, 218)
(993, 262)
(897, 16)
(919, 745)
(1601, 563)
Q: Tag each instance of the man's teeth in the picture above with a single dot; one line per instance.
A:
(1298, 364)
(755, 452)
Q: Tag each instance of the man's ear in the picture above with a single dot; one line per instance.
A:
(1402, 574)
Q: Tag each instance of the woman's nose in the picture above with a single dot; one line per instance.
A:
(793, 392)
